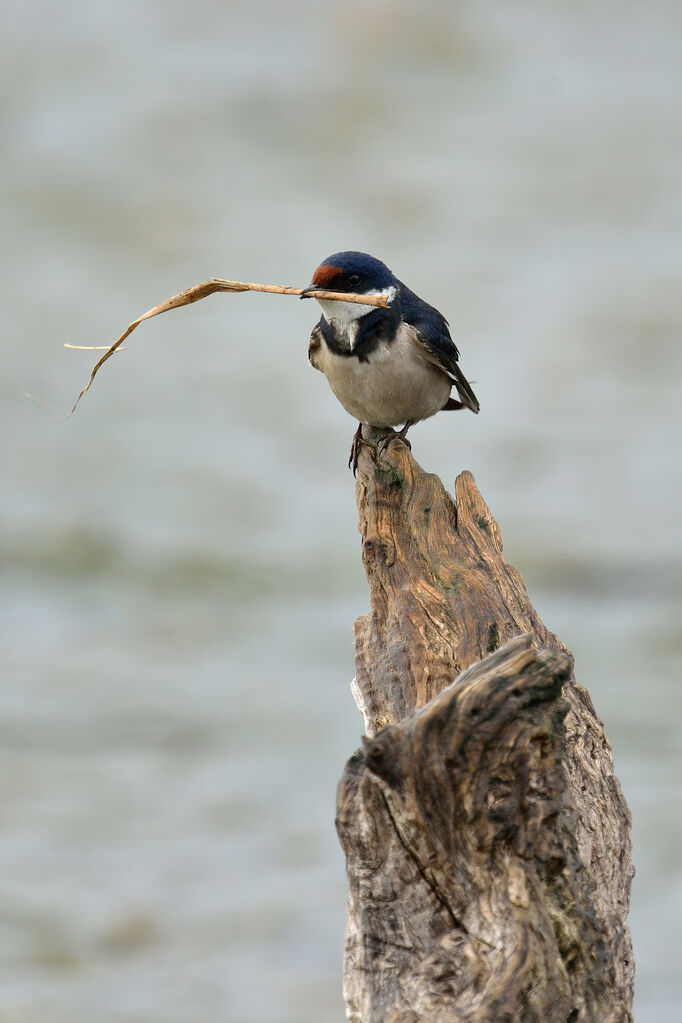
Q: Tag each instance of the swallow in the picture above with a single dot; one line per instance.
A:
(388, 367)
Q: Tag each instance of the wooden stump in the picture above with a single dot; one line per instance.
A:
(486, 836)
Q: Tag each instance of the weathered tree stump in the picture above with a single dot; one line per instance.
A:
(487, 840)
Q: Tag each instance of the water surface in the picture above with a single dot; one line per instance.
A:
(180, 563)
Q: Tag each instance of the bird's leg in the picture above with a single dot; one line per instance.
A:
(402, 434)
(394, 435)
(358, 441)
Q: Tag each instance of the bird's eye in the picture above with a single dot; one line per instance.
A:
(354, 279)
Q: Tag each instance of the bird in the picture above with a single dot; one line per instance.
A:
(389, 367)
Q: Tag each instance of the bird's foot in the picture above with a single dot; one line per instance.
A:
(358, 441)
(393, 436)
(381, 444)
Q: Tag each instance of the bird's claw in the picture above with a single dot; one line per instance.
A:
(386, 441)
(382, 444)
(394, 435)
(358, 441)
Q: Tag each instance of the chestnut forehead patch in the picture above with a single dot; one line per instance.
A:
(326, 273)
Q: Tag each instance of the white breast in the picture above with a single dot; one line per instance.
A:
(393, 385)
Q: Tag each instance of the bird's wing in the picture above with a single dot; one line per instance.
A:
(315, 344)
(431, 334)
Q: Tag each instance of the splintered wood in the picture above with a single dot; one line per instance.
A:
(486, 836)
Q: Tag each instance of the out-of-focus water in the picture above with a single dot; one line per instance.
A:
(180, 564)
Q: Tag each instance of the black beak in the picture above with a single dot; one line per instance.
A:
(309, 292)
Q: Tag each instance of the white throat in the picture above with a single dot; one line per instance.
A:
(346, 314)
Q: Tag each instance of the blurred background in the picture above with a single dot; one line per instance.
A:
(180, 561)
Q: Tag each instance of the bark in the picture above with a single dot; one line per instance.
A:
(486, 836)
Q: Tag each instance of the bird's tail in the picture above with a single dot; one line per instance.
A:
(469, 399)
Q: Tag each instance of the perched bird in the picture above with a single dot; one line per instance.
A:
(387, 366)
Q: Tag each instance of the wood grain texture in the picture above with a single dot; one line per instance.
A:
(486, 836)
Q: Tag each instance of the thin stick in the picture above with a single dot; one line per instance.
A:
(46, 404)
(211, 286)
(93, 348)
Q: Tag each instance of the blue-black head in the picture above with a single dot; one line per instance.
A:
(353, 272)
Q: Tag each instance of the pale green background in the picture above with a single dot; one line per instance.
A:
(180, 563)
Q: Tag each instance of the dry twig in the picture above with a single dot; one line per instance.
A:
(209, 287)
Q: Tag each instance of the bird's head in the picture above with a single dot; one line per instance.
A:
(356, 273)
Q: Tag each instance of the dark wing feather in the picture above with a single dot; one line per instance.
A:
(315, 344)
(432, 332)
